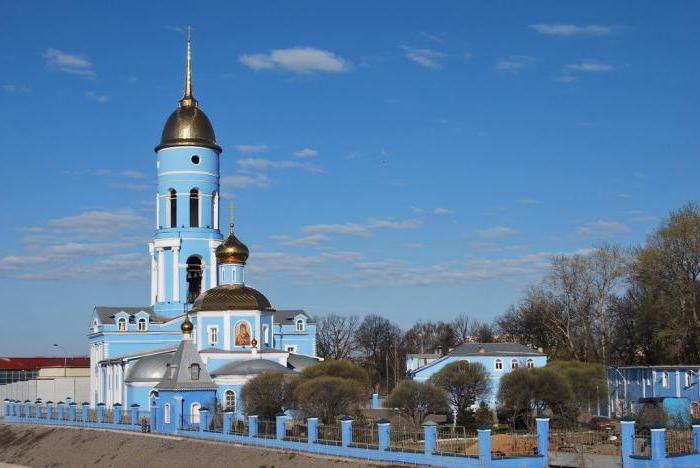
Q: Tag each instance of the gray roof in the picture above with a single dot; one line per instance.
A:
(286, 317)
(149, 368)
(140, 354)
(250, 367)
(299, 362)
(241, 351)
(424, 355)
(494, 349)
(185, 357)
(106, 314)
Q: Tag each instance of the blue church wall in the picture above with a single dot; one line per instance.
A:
(119, 344)
(180, 403)
(221, 398)
(627, 385)
(489, 363)
(139, 394)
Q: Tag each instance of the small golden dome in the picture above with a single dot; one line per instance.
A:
(187, 326)
(232, 250)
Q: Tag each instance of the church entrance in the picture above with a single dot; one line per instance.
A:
(194, 278)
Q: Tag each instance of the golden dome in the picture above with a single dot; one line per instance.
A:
(188, 125)
(232, 250)
(231, 297)
(187, 326)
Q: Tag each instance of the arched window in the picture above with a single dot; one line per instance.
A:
(95, 326)
(153, 394)
(230, 400)
(695, 409)
(121, 324)
(266, 334)
(166, 413)
(530, 363)
(194, 207)
(499, 364)
(194, 278)
(213, 336)
(664, 379)
(214, 210)
(242, 334)
(689, 378)
(194, 412)
(172, 208)
(300, 325)
(514, 364)
(142, 324)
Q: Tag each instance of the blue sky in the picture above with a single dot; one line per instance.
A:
(412, 159)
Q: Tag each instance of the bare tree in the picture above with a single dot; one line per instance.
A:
(462, 326)
(335, 336)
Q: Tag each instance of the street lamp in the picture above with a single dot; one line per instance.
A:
(65, 359)
(624, 386)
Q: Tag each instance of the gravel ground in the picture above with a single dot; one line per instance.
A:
(41, 446)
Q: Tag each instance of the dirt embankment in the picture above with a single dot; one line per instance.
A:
(41, 446)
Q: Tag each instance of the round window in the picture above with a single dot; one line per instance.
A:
(195, 159)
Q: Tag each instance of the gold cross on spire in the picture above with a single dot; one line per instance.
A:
(187, 98)
(230, 207)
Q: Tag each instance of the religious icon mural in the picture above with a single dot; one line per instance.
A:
(242, 334)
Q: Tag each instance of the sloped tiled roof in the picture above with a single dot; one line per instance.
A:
(181, 377)
(106, 314)
(299, 362)
(286, 317)
(494, 349)
(250, 367)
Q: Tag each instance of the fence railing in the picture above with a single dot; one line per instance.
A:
(596, 442)
(267, 429)
(407, 441)
(456, 440)
(513, 445)
(365, 436)
(679, 442)
(329, 434)
(296, 430)
(642, 442)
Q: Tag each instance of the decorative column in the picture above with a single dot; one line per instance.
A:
(212, 268)
(281, 426)
(543, 437)
(49, 409)
(384, 433)
(27, 408)
(100, 413)
(312, 429)
(60, 410)
(627, 436)
(161, 274)
(228, 421)
(157, 210)
(345, 431)
(71, 411)
(658, 445)
(176, 273)
(86, 412)
(203, 419)
(430, 437)
(484, 434)
(117, 413)
(215, 214)
(253, 425)
(37, 408)
(6, 407)
(134, 414)
(375, 400)
(154, 279)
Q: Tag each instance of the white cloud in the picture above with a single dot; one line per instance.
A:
(601, 228)
(442, 211)
(590, 67)
(529, 201)
(306, 153)
(69, 63)
(239, 181)
(298, 60)
(426, 57)
(256, 164)
(515, 63)
(302, 241)
(99, 222)
(640, 216)
(432, 37)
(570, 30)
(496, 232)
(251, 149)
(13, 88)
(318, 233)
(132, 174)
(93, 96)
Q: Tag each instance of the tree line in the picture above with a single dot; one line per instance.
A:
(609, 305)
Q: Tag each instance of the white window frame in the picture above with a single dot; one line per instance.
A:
(291, 348)
(665, 381)
(300, 325)
(498, 365)
(266, 334)
(514, 364)
(215, 330)
(120, 322)
(530, 364)
(194, 412)
(144, 322)
(166, 413)
(688, 378)
(232, 394)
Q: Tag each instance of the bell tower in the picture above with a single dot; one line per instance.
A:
(183, 260)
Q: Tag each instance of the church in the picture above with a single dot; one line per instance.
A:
(202, 314)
